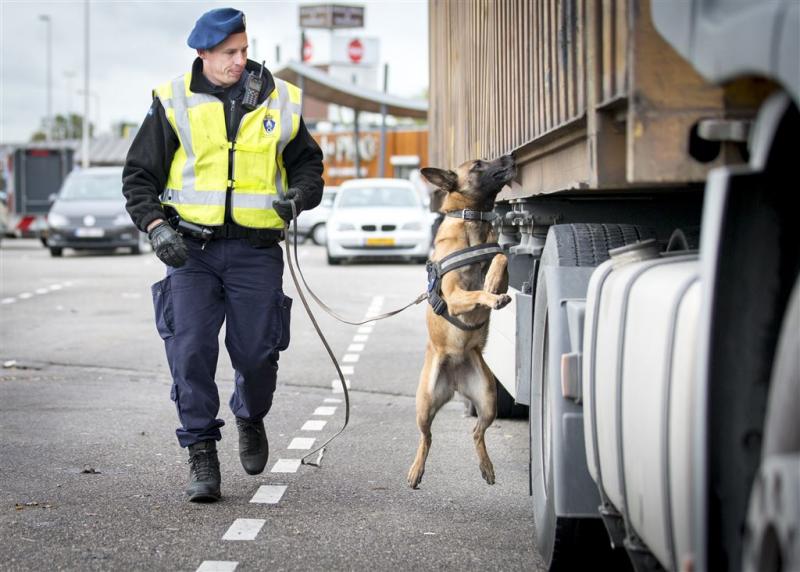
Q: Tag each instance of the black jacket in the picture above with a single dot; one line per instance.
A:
(150, 156)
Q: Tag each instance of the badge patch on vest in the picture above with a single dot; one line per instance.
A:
(269, 124)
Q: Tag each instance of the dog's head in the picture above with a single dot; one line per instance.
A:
(474, 184)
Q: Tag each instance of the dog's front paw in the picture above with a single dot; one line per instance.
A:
(501, 301)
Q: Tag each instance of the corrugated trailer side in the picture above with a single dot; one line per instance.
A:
(586, 93)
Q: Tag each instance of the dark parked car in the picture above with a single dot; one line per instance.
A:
(89, 214)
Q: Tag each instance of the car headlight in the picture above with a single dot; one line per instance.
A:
(414, 225)
(345, 226)
(122, 219)
(56, 220)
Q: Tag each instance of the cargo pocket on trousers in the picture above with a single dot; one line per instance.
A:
(285, 312)
(162, 303)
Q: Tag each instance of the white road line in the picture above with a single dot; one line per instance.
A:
(55, 287)
(269, 494)
(360, 338)
(347, 369)
(42, 291)
(313, 425)
(301, 443)
(336, 384)
(365, 330)
(25, 296)
(217, 566)
(286, 466)
(332, 400)
(355, 348)
(324, 411)
(377, 300)
(8, 300)
(350, 358)
(244, 529)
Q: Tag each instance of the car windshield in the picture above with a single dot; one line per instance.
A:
(377, 197)
(92, 186)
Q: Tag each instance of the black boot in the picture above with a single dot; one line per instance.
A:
(204, 476)
(253, 445)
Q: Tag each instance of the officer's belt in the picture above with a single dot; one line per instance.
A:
(262, 236)
(234, 231)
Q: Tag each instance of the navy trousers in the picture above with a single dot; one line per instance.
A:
(228, 281)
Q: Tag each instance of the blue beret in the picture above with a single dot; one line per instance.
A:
(214, 26)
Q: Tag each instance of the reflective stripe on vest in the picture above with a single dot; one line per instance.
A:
(198, 176)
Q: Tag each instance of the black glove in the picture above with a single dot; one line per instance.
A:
(168, 245)
(284, 208)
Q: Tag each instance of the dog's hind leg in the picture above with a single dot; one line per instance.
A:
(433, 391)
(480, 387)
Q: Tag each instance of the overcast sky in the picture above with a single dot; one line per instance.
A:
(136, 45)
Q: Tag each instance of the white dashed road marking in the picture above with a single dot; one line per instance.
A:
(355, 348)
(39, 291)
(313, 425)
(336, 384)
(365, 330)
(324, 411)
(286, 466)
(302, 443)
(217, 566)
(360, 338)
(347, 369)
(268, 494)
(244, 529)
(331, 400)
(350, 358)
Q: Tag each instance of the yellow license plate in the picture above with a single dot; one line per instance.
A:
(380, 242)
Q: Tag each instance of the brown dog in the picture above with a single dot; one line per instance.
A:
(453, 358)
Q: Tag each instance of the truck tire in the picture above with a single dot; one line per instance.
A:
(565, 543)
(774, 507)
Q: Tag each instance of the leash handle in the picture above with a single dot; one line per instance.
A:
(321, 448)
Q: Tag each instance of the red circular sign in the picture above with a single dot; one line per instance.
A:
(355, 50)
(308, 51)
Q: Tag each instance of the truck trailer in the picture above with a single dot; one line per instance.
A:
(654, 258)
(33, 174)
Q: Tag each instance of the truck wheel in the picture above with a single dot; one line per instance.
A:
(56, 251)
(318, 234)
(774, 507)
(562, 541)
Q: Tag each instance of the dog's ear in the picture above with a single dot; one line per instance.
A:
(440, 178)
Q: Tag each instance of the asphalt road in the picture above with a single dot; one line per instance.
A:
(92, 477)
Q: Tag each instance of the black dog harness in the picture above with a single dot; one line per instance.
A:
(464, 257)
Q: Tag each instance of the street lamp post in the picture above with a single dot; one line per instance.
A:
(85, 130)
(49, 117)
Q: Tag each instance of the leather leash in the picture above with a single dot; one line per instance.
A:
(327, 309)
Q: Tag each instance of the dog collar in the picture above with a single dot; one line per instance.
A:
(467, 214)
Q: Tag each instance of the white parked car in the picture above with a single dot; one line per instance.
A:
(378, 219)
(311, 224)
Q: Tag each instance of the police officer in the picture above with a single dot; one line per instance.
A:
(209, 176)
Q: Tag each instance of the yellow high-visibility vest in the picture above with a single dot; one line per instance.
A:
(198, 176)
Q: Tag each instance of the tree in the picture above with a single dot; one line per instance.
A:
(62, 127)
